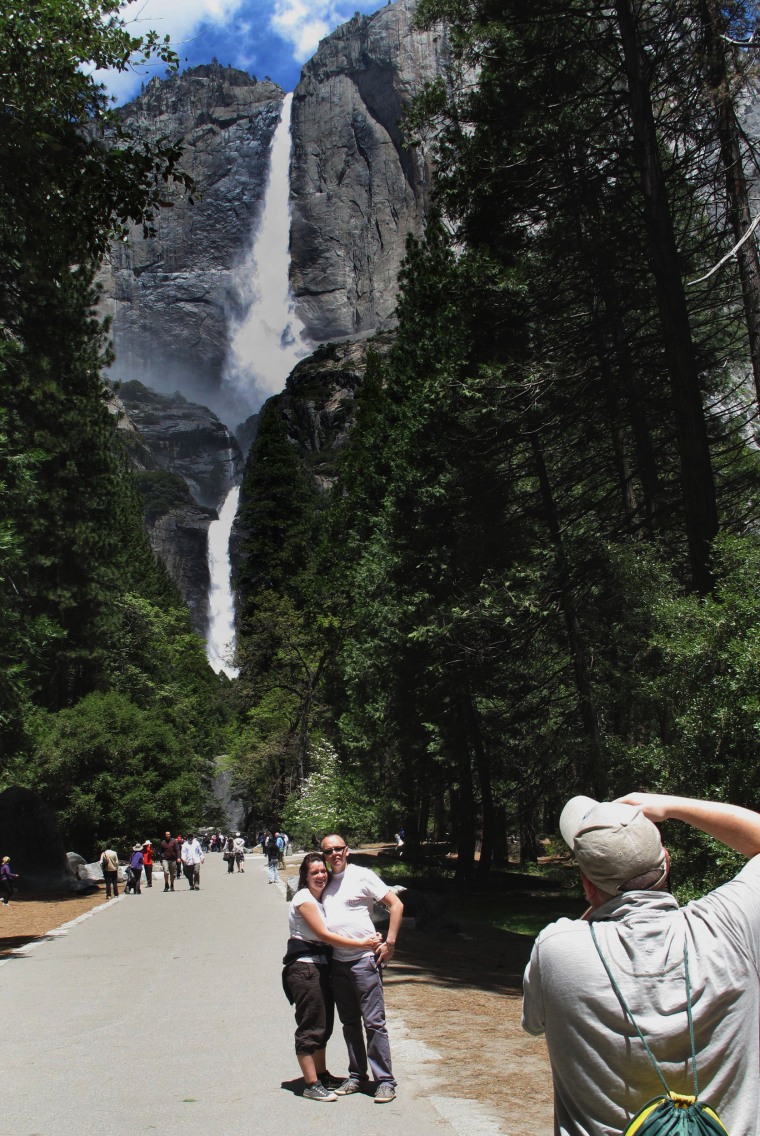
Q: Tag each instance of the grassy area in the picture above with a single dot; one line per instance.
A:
(516, 900)
(521, 914)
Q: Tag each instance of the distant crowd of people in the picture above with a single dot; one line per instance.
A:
(177, 856)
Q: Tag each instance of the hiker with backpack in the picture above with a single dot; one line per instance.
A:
(644, 1002)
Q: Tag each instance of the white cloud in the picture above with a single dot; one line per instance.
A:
(303, 23)
(300, 24)
(177, 18)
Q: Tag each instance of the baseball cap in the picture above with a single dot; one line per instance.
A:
(612, 843)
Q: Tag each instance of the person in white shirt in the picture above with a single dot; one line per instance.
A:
(238, 851)
(192, 858)
(348, 900)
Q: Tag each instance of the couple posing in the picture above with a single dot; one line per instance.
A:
(335, 957)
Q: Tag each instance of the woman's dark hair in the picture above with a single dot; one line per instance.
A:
(309, 858)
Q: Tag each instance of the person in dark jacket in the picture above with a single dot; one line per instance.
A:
(136, 869)
(6, 880)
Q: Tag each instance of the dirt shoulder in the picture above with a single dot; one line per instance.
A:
(462, 996)
(26, 919)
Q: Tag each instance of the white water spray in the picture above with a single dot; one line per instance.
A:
(220, 641)
(265, 346)
(269, 340)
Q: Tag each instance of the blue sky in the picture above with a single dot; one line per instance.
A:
(263, 37)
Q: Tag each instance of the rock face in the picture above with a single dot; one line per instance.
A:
(318, 408)
(171, 296)
(186, 462)
(175, 296)
(185, 438)
(318, 401)
(357, 191)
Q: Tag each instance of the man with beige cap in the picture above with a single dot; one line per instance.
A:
(602, 1074)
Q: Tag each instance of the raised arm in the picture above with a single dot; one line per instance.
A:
(316, 923)
(736, 827)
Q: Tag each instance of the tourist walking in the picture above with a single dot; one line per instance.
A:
(148, 863)
(109, 864)
(134, 871)
(348, 900)
(6, 880)
(239, 850)
(169, 860)
(272, 851)
(229, 854)
(192, 858)
(306, 976)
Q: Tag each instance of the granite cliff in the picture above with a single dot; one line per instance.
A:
(357, 191)
(186, 460)
(171, 295)
(356, 194)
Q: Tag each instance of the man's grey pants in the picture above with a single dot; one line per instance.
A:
(358, 991)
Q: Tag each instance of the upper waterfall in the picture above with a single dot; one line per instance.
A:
(267, 342)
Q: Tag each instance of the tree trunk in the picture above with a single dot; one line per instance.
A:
(593, 774)
(737, 193)
(697, 484)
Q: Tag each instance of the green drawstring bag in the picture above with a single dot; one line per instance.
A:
(671, 1114)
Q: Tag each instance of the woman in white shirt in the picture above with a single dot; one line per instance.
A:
(306, 975)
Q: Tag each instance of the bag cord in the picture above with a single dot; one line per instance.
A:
(627, 1011)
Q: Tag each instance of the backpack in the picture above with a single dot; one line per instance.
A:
(272, 848)
(672, 1114)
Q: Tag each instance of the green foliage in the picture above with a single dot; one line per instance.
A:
(331, 799)
(162, 492)
(105, 701)
(506, 567)
(114, 770)
(707, 681)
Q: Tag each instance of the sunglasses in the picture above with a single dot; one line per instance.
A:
(337, 848)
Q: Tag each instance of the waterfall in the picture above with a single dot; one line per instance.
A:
(220, 639)
(265, 345)
(269, 339)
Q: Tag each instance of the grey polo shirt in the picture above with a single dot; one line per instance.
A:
(602, 1075)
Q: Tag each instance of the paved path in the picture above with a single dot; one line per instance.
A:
(164, 1013)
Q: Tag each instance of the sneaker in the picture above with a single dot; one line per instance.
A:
(318, 1092)
(384, 1093)
(329, 1081)
(348, 1086)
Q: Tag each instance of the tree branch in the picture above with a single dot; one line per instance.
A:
(728, 255)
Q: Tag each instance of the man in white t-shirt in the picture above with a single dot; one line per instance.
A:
(602, 1073)
(192, 858)
(348, 900)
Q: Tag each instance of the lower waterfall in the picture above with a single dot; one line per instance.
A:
(220, 639)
